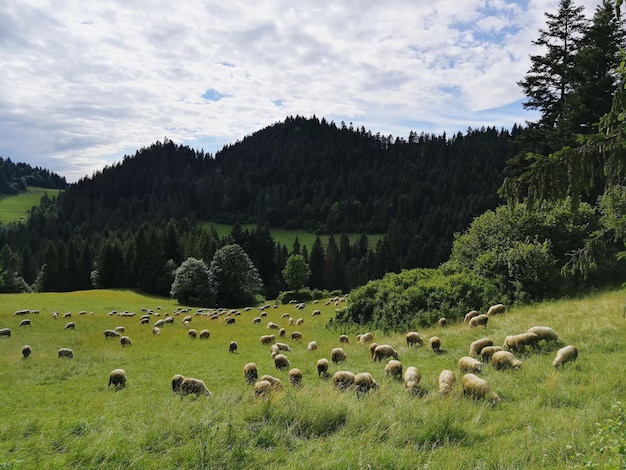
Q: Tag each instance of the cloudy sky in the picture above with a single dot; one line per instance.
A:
(82, 83)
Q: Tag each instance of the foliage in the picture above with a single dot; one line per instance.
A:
(296, 272)
(234, 277)
(607, 446)
(192, 284)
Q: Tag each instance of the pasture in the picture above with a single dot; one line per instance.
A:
(59, 413)
(13, 208)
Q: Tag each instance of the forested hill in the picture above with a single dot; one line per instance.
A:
(16, 177)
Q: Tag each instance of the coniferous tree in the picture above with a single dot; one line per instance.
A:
(317, 261)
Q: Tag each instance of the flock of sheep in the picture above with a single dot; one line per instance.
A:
(482, 352)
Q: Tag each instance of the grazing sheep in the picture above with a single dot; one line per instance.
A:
(70, 326)
(565, 354)
(144, 321)
(66, 352)
(250, 372)
(478, 388)
(519, 342)
(21, 312)
(479, 320)
(232, 347)
(413, 338)
(343, 339)
(312, 346)
(156, 330)
(191, 386)
(168, 320)
(276, 383)
(177, 380)
(446, 381)
(505, 360)
(5, 332)
(67, 315)
(262, 388)
(192, 334)
(274, 350)
(469, 315)
(412, 379)
(365, 338)
(267, 339)
(469, 364)
(273, 326)
(372, 348)
(204, 334)
(282, 332)
(384, 351)
(337, 355)
(159, 323)
(296, 335)
(291, 320)
(229, 320)
(394, 369)
(55, 315)
(26, 351)
(295, 377)
(322, 367)
(111, 334)
(256, 320)
(125, 341)
(544, 333)
(487, 353)
(25, 323)
(117, 378)
(343, 379)
(497, 309)
(283, 347)
(477, 346)
(316, 313)
(443, 322)
(364, 382)
(300, 321)
(435, 343)
(281, 362)
(120, 329)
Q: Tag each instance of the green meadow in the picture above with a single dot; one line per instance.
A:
(59, 413)
(13, 208)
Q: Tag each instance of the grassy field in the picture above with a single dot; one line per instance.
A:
(59, 413)
(13, 208)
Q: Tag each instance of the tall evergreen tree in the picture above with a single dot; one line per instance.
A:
(317, 261)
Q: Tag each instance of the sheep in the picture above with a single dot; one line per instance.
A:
(125, 341)
(283, 347)
(497, 309)
(443, 322)
(300, 321)
(337, 355)
(159, 323)
(256, 320)
(413, 338)
(191, 334)
(191, 386)
(55, 315)
(565, 354)
(343, 379)
(469, 364)
(505, 360)
(232, 347)
(365, 338)
(272, 326)
(117, 378)
(274, 350)
(5, 332)
(295, 377)
(144, 321)
(156, 330)
(111, 334)
(479, 320)
(70, 326)
(364, 382)
(229, 320)
(177, 380)
(394, 369)
(250, 372)
(312, 346)
(384, 351)
(120, 329)
(21, 312)
(316, 313)
(478, 388)
(446, 381)
(26, 351)
(435, 343)
(66, 353)
(262, 388)
(281, 362)
(267, 339)
(25, 323)
(276, 383)
(168, 320)
(343, 339)
(322, 367)
(412, 379)
(187, 319)
(291, 320)
(487, 352)
(544, 333)
(477, 346)
(469, 315)
(67, 315)
(372, 348)
(296, 335)
(282, 332)
(204, 334)
(520, 341)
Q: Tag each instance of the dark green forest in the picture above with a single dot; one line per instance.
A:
(16, 177)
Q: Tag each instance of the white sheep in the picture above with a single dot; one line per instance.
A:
(478, 388)
(26, 351)
(469, 315)
(435, 343)
(262, 388)
(117, 378)
(469, 364)
(479, 320)
(204, 334)
(497, 309)
(300, 321)
(156, 330)
(322, 367)
(111, 334)
(177, 379)
(443, 322)
(487, 352)
(272, 326)
(295, 377)
(191, 386)
(267, 339)
(505, 360)
(520, 341)
(120, 329)
(282, 332)
(343, 379)
(338, 355)
(192, 334)
(384, 351)
(70, 326)
(413, 338)
(394, 369)
(276, 383)
(125, 341)
(250, 372)
(281, 362)
(296, 335)
(446, 381)
(312, 346)
(544, 333)
(283, 347)
(365, 338)
(66, 353)
(477, 346)
(412, 379)
(343, 339)
(25, 322)
(364, 382)
(565, 354)
(232, 347)
(372, 348)
(5, 332)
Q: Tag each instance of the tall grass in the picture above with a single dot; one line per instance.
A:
(60, 414)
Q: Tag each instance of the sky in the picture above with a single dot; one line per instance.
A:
(84, 83)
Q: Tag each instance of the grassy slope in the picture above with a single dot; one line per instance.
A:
(13, 208)
(59, 413)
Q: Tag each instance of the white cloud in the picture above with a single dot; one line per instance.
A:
(83, 83)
